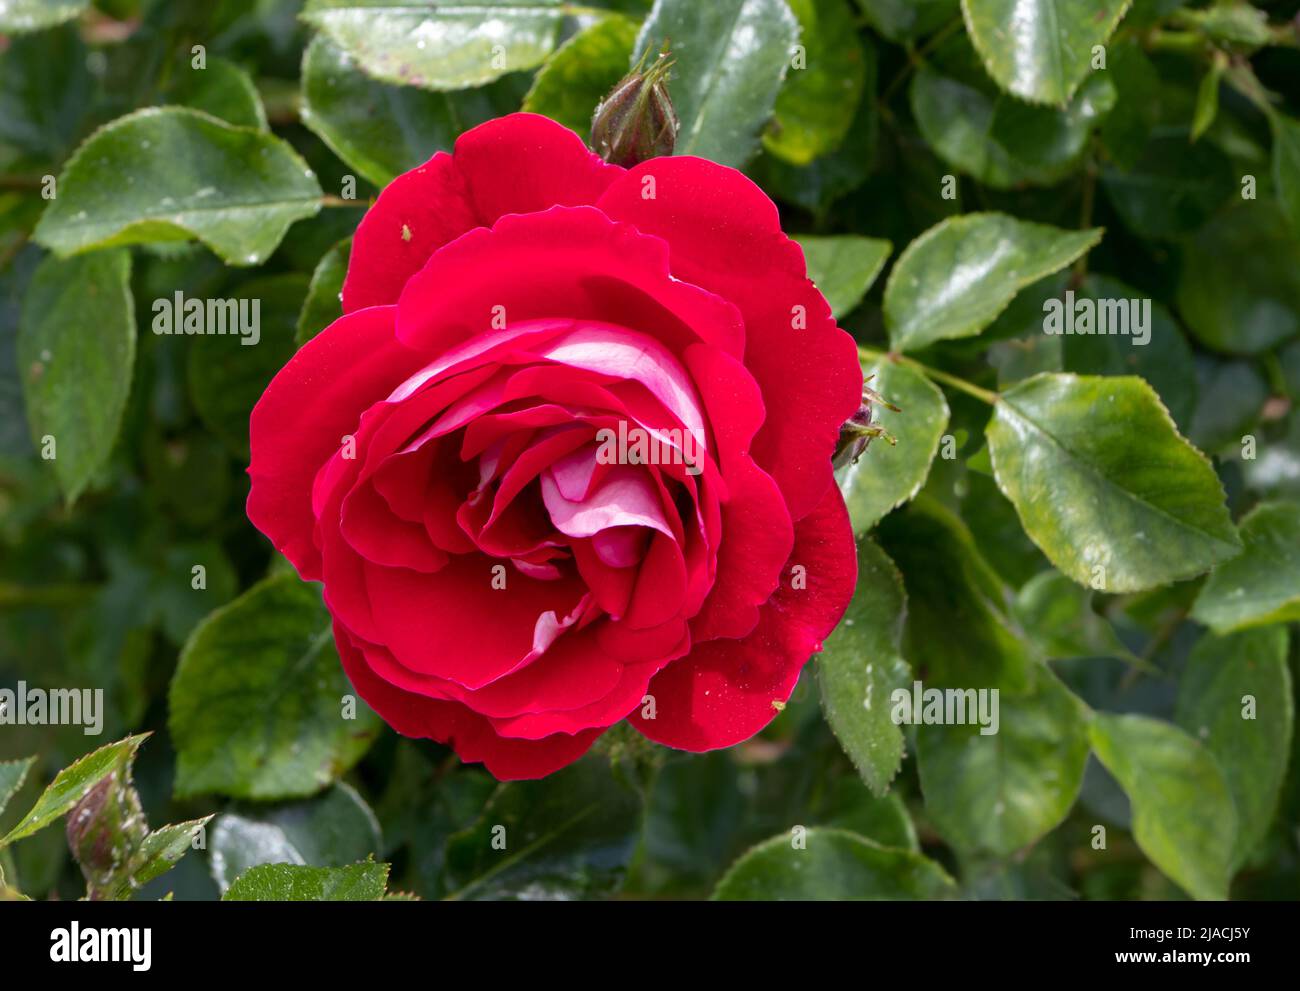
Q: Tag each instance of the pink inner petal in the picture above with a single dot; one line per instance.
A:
(612, 350)
(573, 473)
(626, 497)
(621, 546)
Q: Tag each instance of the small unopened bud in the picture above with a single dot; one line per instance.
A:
(104, 829)
(636, 121)
(860, 429)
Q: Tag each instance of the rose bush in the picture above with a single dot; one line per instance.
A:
(433, 457)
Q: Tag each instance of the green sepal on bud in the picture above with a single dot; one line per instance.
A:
(636, 121)
(104, 829)
(860, 429)
(110, 839)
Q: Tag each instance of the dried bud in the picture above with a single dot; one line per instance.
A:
(860, 429)
(637, 120)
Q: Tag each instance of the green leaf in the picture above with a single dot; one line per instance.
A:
(907, 20)
(1207, 99)
(334, 829)
(835, 865)
(380, 130)
(440, 44)
(1127, 128)
(815, 107)
(12, 775)
(951, 587)
(1286, 167)
(421, 806)
(73, 783)
(175, 604)
(862, 665)
(693, 808)
(324, 303)
(1232, 23)
(1165, 361)
(1000, 140)
(33, 15)
(169, 174)
(996, 527)
(1105, 485)
(1058, 615)
(1024, 358)
(45, 92)
(569, 835)
(1276, 472)
(817, 185)
(76, 349)
(886, 476)
(1262, 584)
(1289, 364)
(256, 704)
(1239, 290)
(226, 375)
(1023, 319)
(365, 882)
(884, 820)
(1183, 817)
(582, 71)
(192, 479)
(1040, 50)
(731, 56)
(844, 266)
(223, 90)
(996, 793)
(1230, 396)
(161, 850)
(954, 279)
(1223, 676)
(1169, 189)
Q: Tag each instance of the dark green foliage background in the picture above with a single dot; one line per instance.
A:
(1121, 697)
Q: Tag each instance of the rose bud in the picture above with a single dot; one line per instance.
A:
(104, 829)
(860, 429)
(636, 121)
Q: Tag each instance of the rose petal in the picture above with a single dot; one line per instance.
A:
(611, 587)
(455, 624)
(568, 260)
(415, 215)
(515, 164)
(468, 733)
(757, 533)
(725, 236)
(523, 163)
(625, 497)
(378, 534)
(613, 707)
(723, 691)
(302, 417)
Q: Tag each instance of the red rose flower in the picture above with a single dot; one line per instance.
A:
(569, 446)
